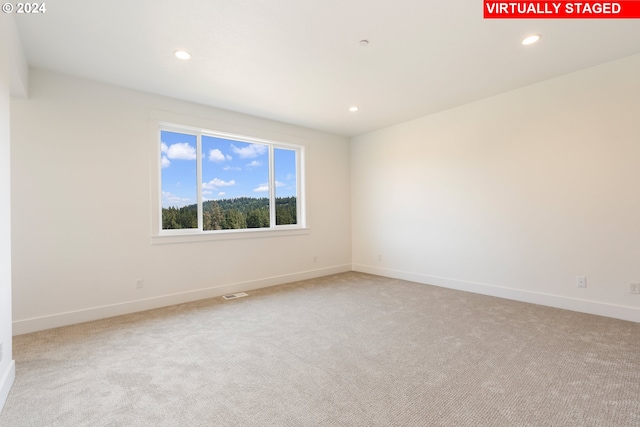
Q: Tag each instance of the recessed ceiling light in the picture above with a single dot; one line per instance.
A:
(182, 54)
(353, 109)
(531, 39)
(364, 42)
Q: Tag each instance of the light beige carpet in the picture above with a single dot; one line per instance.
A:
(344, 350)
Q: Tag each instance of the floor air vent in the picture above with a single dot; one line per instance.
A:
(234, 296)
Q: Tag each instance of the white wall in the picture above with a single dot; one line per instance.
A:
(81, 208)
(514, 196)
(7, 366)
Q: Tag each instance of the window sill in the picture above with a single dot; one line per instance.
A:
(162, 239)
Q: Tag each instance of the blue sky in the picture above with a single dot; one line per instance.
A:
(230, 169)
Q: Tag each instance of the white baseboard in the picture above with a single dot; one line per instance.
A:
(6, 382)
(25, 326)
(591, 307)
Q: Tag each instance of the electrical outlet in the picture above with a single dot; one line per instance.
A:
(581, 281)
(139, 284)
(634, 288)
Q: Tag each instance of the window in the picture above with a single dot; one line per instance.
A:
(212, 182)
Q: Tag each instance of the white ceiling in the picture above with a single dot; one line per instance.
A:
(300, 61)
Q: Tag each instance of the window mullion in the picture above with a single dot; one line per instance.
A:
(199, 178)
(300, 215)
(272, 188)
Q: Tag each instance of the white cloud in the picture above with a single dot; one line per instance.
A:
(250, 151)
(222, 193)
(263, 188)
(216, 156)
(170, 199)
(215, 183)
(181, 151)
(232, 168)
(254, 164)
(164, 148)
(165, 162)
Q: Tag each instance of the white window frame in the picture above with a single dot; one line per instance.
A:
(162, 121)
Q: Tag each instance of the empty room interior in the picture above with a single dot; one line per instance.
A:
(415, 217)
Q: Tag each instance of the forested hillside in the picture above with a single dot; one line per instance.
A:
(226, 214)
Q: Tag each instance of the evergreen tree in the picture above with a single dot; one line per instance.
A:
(213, 217)
(237, 213)
(258, 218)
(286, 211)
(235, 219)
